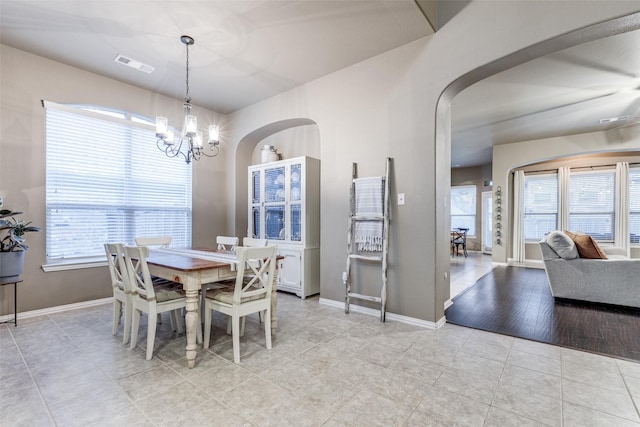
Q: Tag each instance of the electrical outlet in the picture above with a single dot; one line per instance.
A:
(400, 199)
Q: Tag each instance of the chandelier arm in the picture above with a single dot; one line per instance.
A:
(214, 152)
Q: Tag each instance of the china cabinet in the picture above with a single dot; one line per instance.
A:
(284, 208)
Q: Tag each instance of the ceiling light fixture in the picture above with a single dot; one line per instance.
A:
(191, 137)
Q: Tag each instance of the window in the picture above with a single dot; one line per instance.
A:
(107, 182)
(463, 208)
(592, 203)
(634, 205)
(540, 205)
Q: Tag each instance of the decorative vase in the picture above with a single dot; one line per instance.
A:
(11, 263)
(269, 153)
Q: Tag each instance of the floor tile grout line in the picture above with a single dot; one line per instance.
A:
(35, 383)
(633, 401)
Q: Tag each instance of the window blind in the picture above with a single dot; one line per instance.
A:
(592, 204)
(634, 204)
(106, 181)
(463, 208)
(540, 205)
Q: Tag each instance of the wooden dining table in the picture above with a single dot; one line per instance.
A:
(193, 267)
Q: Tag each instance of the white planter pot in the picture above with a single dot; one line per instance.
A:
(11, 263)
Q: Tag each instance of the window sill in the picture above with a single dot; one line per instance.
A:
(74, 265)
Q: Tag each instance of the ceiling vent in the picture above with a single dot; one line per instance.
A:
(121, 59)
(614, 119)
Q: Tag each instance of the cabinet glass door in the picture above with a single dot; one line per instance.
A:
(295, 183)
(295, 222)
(255, 218)
(274, 222)
(255, 187)
(274, 185)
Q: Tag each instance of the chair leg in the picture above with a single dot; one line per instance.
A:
(241, 326)
(235, 332)
(267, 327)
(134, 328)
(127, 322)
(151, 333)
(207, 327)
(117, 313)
(176, 318)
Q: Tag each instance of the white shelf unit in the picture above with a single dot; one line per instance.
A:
(284, 208)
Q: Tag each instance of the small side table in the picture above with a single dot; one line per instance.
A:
(7, 281)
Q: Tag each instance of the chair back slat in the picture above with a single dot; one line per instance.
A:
(161, 241)
(252, 242)
(227, 243)
(138, 270)
(259, 264)
(117, 266)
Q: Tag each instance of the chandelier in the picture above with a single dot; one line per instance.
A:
(190, 145)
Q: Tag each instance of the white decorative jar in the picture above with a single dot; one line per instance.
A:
(269, 153)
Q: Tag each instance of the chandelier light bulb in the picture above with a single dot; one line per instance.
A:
(214, 134)
(162, 127)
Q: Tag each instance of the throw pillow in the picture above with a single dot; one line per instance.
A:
(562, 244)
(587, 246)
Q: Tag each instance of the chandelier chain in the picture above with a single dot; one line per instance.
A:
(187, 98)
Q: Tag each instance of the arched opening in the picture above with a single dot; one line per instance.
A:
(292, 137)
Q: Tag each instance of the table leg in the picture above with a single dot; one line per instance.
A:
(192, 322)
(15, 304)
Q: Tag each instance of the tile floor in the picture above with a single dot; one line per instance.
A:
(325, 369)
(465, 271)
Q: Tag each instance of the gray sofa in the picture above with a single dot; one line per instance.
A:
(612, 281)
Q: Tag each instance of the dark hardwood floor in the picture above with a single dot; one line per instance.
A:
(517, 301)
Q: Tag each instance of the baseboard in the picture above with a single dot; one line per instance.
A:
(391, 316)
(448, 303)
(529, 263)
(57, 309)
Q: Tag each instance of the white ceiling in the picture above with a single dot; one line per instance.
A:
(247, 51)
(563, 93)
(244, 51)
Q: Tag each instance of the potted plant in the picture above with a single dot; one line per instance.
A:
(12, 242)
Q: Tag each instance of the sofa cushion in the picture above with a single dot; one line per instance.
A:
(587, 246)
(562, 244)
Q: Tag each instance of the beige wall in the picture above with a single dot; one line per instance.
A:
(391, 105)
(25, 80)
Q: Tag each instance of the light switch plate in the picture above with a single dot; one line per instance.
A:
(400, 199)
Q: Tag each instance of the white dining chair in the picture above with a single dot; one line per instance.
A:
(150, 299)
(121, 290)
(224, 243)
(227, 243)
(243, 298)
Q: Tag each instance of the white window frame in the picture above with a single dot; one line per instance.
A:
(634, 203)
(157, 187)
(473, 189)
(531, 211)
(597, 198)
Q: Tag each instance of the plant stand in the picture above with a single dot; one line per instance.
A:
(7, 281)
